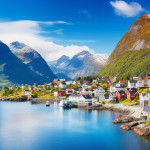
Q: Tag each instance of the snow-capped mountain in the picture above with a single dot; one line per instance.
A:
(82, 64)
(33, 59)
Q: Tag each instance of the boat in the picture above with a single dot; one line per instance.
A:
(47, 104)
(65, 104)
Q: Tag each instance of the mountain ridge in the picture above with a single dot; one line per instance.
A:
(33, 59)
(131, 56)
(81, 64)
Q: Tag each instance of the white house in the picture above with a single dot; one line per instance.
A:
(114, 89)
(99, 92)
(27, 92)
(144, 99)
(80, 98)
(145, 114)
(63, 85)
(134, 84)
(87, 85)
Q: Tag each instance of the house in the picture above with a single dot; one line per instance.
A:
(134, 84)
(112, 96)
(60, 94)
(87, 85)
(81, 99)
(120, 94)
(114, 89)
(136, 78)
(146, 111)
(27, 92)
(131, 95)
(144, 99)
(63, 85)
(98, 92)
(84, 91)
(147, 77)
(69, 91)
(123, 85)
(118, 85)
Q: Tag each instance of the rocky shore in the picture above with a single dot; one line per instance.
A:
(130, 117)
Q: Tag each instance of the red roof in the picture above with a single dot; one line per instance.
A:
(122, 81)
(93, 87)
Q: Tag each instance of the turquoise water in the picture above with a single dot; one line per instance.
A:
(26, 126)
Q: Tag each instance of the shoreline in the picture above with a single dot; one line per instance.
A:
(130, 119)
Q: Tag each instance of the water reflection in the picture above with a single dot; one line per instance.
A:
(33, 126)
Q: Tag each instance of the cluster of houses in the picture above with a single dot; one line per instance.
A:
(86, 93)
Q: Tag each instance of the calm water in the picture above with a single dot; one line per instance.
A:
(26, 126)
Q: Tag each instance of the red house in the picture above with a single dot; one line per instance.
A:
(61, 94)
(121, 94)
(131, 95)
(147, 77)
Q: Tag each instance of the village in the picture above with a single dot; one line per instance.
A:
(101, 91)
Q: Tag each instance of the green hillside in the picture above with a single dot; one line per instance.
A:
(127, 64)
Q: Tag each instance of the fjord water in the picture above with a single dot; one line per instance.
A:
(27, 126)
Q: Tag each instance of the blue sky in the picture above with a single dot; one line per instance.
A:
(69, 25)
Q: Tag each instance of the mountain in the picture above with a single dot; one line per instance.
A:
(33, 59)
(81, 64)
(14, 71)
(131, 56)
(62, 62)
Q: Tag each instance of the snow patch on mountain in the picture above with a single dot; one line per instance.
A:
(80, 65)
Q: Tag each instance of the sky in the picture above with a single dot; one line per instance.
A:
(66, 27)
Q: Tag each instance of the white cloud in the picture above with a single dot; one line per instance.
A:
(123, 8)
(59, 31)
(29, 32)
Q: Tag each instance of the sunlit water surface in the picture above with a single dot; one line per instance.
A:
(27, 126)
